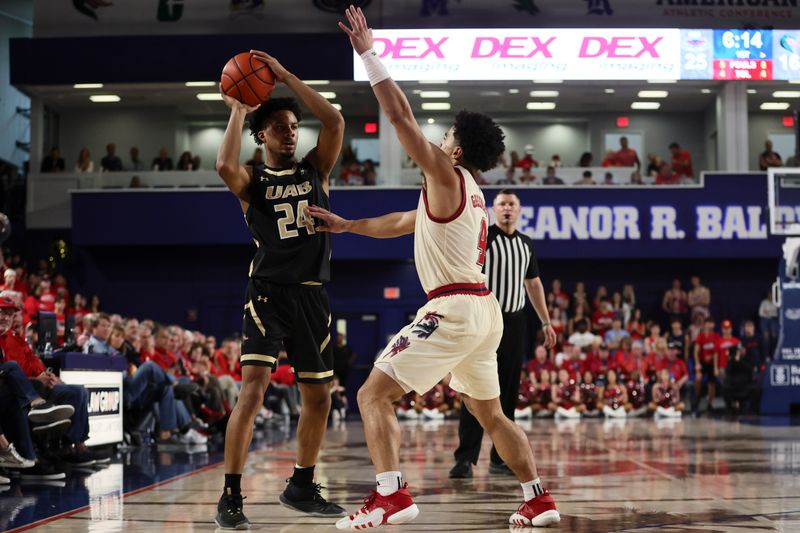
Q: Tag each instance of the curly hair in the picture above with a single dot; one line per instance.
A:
(480, 139)
(258, 118)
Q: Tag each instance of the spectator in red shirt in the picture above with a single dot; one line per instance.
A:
(47, 297)
(676, 367)
(527, 162)
(228, 359)
(572, 363)
(655, 334)
(609, 160)
(540, 363)
(603, 318)
(161, 355)
(727, 343)
(706, 362)
(635, 326)
(666, 176)
(61, 319)
(681, 161)
(560, 298)
(78, 309)
(625, 156)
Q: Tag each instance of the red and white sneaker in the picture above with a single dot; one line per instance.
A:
(538, 512)
(397, 508)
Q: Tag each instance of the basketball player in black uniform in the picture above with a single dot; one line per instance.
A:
(286, 304)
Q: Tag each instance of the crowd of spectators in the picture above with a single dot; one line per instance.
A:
(527, 170)
(111, 162)
(610, 361)
(179, 386)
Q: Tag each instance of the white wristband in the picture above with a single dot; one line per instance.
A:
(376, 72)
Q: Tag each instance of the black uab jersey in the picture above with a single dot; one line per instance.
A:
(289, 249)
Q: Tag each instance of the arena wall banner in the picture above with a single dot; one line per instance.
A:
(726, 217)
(587, 54)
(85, 18)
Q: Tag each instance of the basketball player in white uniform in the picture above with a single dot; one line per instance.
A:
(459, 329)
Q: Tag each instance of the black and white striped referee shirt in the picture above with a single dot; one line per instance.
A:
(510, 260)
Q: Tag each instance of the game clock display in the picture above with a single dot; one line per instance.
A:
(742, 55)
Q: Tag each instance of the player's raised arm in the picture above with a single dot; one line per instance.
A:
(431, 159)
(383, 227)
(329, 142)
(236, 177)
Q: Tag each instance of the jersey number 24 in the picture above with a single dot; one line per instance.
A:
(300, 219)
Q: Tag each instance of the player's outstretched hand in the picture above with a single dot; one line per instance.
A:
(279, 70)
(333, 222)
(360, 34)
(233, 103)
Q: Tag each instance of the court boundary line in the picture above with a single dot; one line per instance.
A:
(67, 514)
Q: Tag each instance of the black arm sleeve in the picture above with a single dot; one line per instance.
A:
(533, 265)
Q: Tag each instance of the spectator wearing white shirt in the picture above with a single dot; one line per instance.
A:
(582, 337)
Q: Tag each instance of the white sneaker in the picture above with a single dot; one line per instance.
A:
(10, 458)
(523, 413)
(433, 414)
(4, 480)
(193, 437)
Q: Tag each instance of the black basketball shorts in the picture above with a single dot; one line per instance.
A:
(296, 318)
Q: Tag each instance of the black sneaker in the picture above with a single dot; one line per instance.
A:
(42, 471)
(499, 469)
(52, 429)
(78, 459)
(229, 513)
(309, 500)
(47, 412)
(462, 470)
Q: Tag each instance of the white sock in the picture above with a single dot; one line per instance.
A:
(532, 489)
(389, 482)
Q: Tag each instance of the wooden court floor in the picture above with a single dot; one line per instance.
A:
(635, 475)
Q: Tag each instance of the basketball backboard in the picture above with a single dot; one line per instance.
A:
(784, 201)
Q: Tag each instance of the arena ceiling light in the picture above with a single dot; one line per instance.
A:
(434, 94)
(610, 91)
(513, 91)
(434, 82)
(207, 97)
(544, 94)
(201, 83)
(705, 91)
(104, 98)
(775, 106)
(330, 95)
(646, 105)
(653, 94)
(88, 86)
(317, 82)
(752, 91)
(337, 107)
(431, 121)
(548, 81)
(794, 82)
(662, 81)
(786, 94)
(540, 106)
(436, 106)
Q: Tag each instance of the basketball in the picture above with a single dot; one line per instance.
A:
(247, 79)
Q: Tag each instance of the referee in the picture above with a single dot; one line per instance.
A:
(511, 271)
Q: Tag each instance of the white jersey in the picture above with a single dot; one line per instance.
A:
(451, 251)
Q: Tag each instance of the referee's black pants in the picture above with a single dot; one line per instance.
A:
(509, 363)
